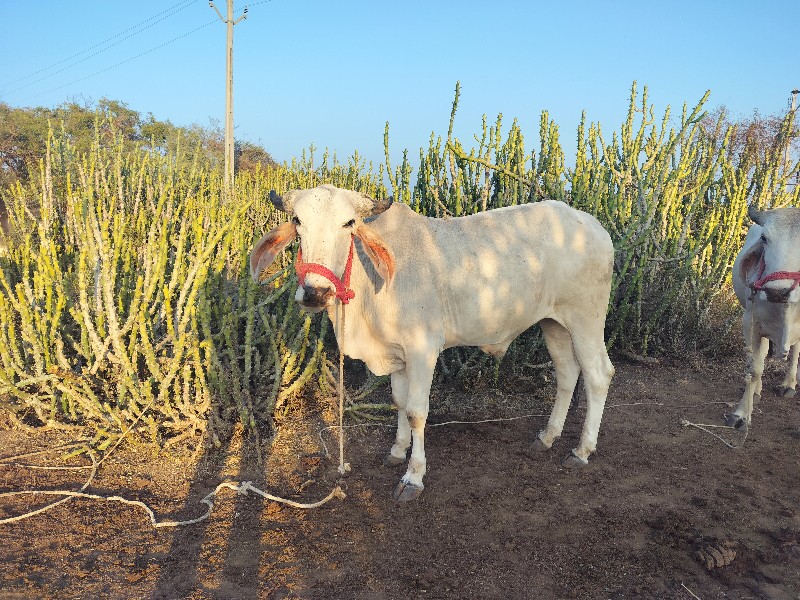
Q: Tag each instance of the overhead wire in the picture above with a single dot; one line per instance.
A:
(185, 4)
(114, 66)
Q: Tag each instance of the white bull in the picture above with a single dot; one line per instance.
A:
(765, 279)
(421, 285)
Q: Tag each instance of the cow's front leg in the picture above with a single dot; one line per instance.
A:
(419, 375)
(756, 349)
(787, 388)
(397, 455)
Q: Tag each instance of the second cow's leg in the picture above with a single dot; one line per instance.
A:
(756, 349)
(787, 388)
(419, 375)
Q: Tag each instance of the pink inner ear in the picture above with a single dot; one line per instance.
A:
(269, 246)
(379, 254)
(750, 262)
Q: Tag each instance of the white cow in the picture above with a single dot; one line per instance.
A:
(765, 278)
(420, 285)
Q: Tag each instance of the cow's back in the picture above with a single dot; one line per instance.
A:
(485, 278)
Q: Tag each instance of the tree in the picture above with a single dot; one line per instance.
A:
(755, 138)
(24, 133)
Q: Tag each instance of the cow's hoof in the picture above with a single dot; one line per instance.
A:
(536, 447)
(573, 461)
(406, 492)
(737, 422)
(392, 461)
(786, 392)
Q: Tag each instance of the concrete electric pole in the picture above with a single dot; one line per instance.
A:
(790, 133)
(229, 92)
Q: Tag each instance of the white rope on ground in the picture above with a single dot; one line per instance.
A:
(705, 427)
(240, 488)
(497, 420)
(93, 467)
(691, 593)
(635, 404)
(387, 426)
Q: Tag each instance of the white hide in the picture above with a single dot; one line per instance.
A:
(479, 280)
(774, 239)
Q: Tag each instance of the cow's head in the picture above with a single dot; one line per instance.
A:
(772, 265)
(325, 219)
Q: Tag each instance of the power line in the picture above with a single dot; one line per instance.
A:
(185, 4)
(122, 62)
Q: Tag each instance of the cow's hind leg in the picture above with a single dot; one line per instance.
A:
(597, 373)
(397, 454)
(419, 374)
(787, 388)
(559, 345)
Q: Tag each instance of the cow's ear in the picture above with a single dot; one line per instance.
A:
(748, 268)
(378, 252)
(269, 246)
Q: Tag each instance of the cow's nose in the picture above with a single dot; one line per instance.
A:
(779, 295)
(317, 296)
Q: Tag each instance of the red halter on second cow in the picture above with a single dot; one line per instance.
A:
(343, 291)
(758, 285)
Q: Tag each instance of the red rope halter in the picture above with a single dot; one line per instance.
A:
(343, 291)
(758, 285)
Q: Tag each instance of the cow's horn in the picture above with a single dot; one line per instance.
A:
(284, 202)
(370, 207)
(276, 200)
(756, 215)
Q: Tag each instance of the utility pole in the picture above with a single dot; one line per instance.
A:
(790, 134)
(229, 92)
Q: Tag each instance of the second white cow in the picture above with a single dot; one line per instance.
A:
(416, 285)
(766, 274)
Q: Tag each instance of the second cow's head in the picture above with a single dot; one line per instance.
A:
(772, 265)
(325, 219)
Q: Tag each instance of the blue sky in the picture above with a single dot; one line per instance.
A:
(332, 73)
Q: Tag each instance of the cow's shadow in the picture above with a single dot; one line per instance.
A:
(203, 559)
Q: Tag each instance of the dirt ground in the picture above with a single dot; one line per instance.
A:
(491, 523)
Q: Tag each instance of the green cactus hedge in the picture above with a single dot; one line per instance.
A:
(125, 296)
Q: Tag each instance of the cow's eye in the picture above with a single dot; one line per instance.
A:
(350, 223)
(295, 220)
(763, 239)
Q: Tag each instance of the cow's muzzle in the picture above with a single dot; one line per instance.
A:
(316, 298)
(777, 295)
